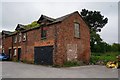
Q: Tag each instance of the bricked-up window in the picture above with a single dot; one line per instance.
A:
(24, 37)
(15, 39)
(77, 30)
(43, 32)
(20, 37)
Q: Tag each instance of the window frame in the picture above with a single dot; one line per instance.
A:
(76, 31)
(15, 39)
(24, 36)
(15, 52)
(43, 33)
(20, 37)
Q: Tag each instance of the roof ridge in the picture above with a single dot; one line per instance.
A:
(49, 18)
(64, 17)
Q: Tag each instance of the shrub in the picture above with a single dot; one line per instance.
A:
(103, 57)
(94, 59)
(27, 61)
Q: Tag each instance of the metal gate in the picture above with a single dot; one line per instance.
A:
(43, 55)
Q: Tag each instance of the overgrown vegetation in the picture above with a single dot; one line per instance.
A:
(103, 58)
(71, 63)
(32, 25)
(102, 52)
(95, 21)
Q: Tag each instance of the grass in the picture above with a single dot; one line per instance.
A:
(104, 57)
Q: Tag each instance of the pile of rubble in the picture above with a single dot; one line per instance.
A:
(114, 64)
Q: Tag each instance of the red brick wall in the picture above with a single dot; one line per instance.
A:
(6, 44)
(0, 43)
(34, 40)
(65, 39)
(66, 36)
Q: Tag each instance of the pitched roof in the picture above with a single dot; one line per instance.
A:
(57, 19)
(6, 32)
(64, 17)
(51, 21)
(19, 27)
(46, 17)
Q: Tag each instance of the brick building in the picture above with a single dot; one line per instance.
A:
(0, 43)
(53, 42)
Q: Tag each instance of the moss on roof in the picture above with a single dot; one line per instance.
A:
(32, 25)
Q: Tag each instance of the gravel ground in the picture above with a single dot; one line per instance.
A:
(22, 70)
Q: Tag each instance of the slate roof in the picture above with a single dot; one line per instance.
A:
(52, 21)
(7, 32)
(57, 19)
(20, 26)
(63, 17)
(46, 17)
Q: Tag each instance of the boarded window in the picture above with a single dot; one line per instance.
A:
(43, 32)
(20, 37)
(77, 30)
(15, 39)
(71, 52)
(24, 36)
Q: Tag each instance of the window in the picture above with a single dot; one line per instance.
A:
(20, 37)
(3, 50)
(43, 33)
(15, 39)
(77, 30)
(15, 52)
(3, 36)
(24, 36)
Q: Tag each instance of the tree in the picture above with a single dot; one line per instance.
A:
(94, 19)
(94, 40)
(95, 22)
(115, 47)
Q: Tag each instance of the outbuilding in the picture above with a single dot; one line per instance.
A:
(52, 42)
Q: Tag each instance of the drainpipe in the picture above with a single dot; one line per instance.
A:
(26, 46)
(12, 49)
(55, 43)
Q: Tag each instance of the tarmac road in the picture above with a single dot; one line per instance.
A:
(22, 70)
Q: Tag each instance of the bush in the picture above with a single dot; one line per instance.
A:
(27, 61)
(94, 59)
(103, 57)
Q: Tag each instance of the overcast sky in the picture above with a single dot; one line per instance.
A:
(14, 13)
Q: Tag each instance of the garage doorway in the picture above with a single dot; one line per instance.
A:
(43, 55)
(10, 54)
(19, 53)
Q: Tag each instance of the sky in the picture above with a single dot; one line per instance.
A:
(24, 12)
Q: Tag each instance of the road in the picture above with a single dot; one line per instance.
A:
(22, 70)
